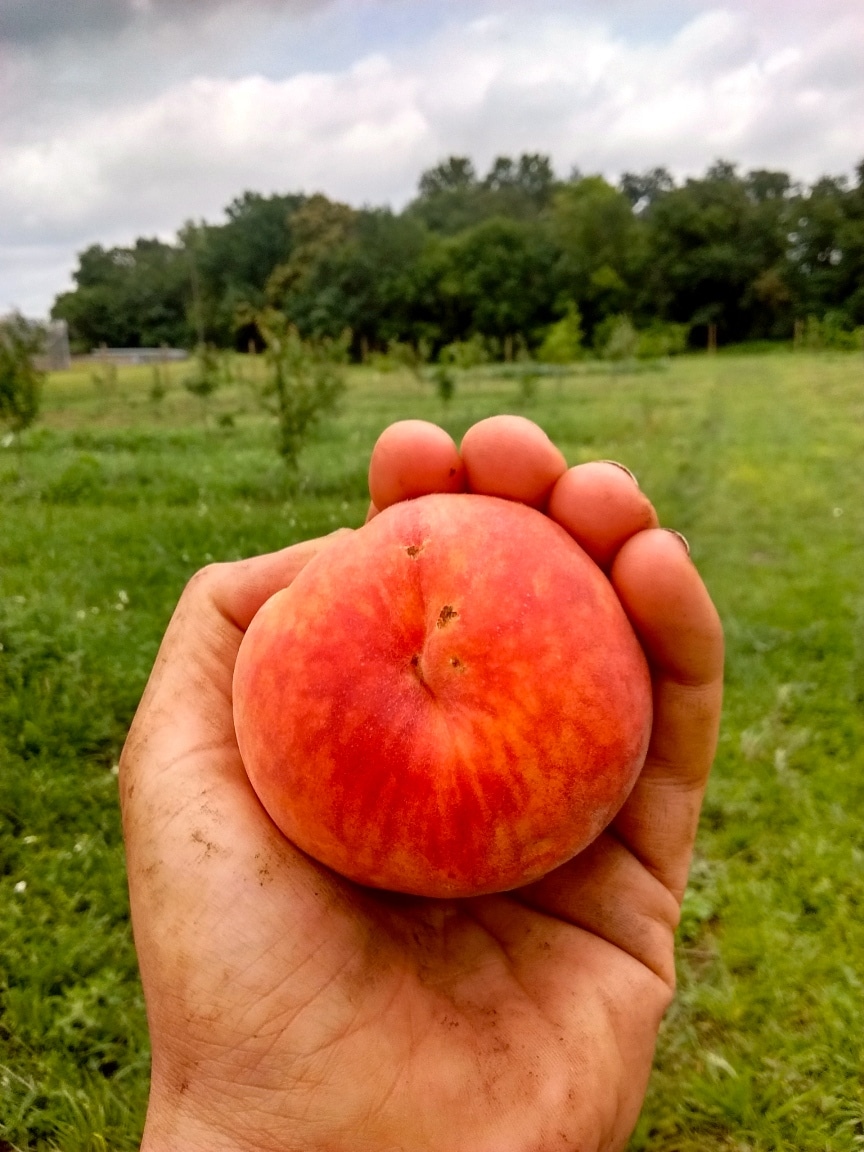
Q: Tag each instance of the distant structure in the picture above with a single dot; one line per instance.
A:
(55, 355)
(125, 356)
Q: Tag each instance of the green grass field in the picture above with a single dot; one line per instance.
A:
(114, 500)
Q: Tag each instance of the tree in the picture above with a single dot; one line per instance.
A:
(496, 281)
(352, 270)
(305, 379)
(829, 249)
(129, 297)
(601, 243)
(451, 198)
(562, 343)
(229, 263)
(455, 174)
(20, 381)
(520, 187)
(643, 190)
(319, 227)
(717, 254)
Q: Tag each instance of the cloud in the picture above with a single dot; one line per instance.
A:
(172, 126)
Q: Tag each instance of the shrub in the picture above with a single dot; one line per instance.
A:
(399, 357)
(831, 333)
(662, 339)
(445, 383)
(20, 381)
(562, 343)
(615, 338)
(206, 377)
(465, 354)
(305, 378)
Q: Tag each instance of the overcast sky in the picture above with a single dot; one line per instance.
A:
(123, 118)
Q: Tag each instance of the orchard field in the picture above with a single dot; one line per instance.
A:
(115, 498)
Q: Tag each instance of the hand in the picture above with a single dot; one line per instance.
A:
(291, 1009)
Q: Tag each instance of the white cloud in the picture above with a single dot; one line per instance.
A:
(193, 125)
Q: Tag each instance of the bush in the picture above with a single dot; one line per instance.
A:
(445, 383)
(465, 353)
(399, 357)
(206, 377)
(662, 339)
(562, 343)
(20, 381)
(615, 338)
(831, 333)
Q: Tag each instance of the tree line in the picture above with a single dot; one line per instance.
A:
(502, 259)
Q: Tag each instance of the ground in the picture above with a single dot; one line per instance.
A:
(115, 498)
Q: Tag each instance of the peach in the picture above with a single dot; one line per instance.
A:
(448, 702)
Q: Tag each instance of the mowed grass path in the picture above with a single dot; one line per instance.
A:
(115, 500)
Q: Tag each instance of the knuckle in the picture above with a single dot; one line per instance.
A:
(204, 583)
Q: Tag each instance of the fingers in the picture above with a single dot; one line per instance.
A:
(238, 590)
(413, 458)
(511, 457)
(606, 891)
(599, 504)
(679, 628)
(601, 507)
(506, 456)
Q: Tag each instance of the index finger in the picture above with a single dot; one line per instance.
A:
(680, 630)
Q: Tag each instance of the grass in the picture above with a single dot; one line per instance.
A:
(115, 499)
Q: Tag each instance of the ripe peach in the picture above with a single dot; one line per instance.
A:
(448, 702)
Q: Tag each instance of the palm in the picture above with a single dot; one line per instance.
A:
(483, 1017)
(289, 1008)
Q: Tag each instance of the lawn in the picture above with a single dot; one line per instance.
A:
(115, 498)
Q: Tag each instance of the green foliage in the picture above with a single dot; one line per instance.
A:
(562, 343)
(445, 383)
(831, 333)
(159, 386)
(207, 373)
(659, 340)
(465, 354)
(602, 247)
(453, 198)
(232, 263)
(494, 280)
(400, 357)
(20, 380)
(128, 297)
(492, 256)
(306, 380)
(615, 338)
(528, 382)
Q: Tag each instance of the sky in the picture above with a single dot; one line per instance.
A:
(126, 118)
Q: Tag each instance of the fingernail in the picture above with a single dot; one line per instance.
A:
(681, 537)
(623, 468)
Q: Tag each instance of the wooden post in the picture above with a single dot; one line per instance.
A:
(798, 337)
(712, 337)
